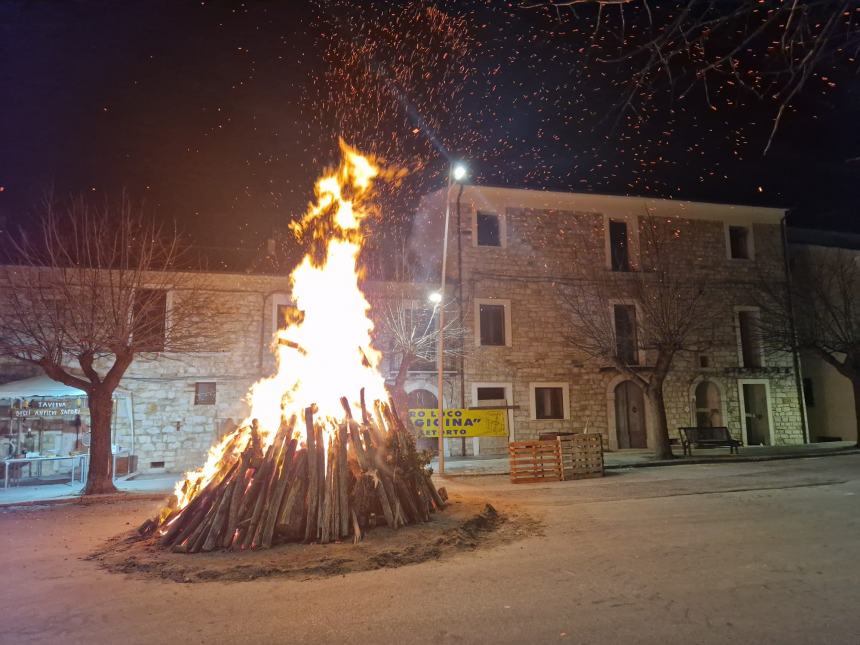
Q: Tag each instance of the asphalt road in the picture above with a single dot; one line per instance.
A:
(740, 553)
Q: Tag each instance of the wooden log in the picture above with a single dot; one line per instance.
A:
(329, 503)
(312, 502)
(364, 417)
(213, 537)
(406, 499)
(236, 496)
(356, 528)
(437, 498)
(342, 481)
(291, 514)
(282, 478)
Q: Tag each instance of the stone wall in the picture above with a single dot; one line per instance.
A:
(548, 249)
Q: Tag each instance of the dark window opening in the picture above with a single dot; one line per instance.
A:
(204, 393)
(750, 347)
(739, 242)
(149, 312)
(618, 246)
(625, 334)
(704, 360)
(156, 464)
(808, 392)
(491, 394)
(489, 229)
(549, 403)
(492, 324)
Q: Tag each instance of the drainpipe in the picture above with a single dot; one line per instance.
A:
(795, 354)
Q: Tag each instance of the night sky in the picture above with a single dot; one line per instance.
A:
(220, 115)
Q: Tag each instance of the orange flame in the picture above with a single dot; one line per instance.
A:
(326, 351)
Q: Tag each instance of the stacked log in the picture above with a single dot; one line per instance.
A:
(335, 480)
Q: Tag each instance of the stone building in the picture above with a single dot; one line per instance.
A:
(515, 251)
(829, 396)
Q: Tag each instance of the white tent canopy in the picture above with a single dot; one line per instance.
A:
(43, 385)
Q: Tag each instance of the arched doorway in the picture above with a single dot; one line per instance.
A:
(709, 406)
(421, 399)
(630, 416)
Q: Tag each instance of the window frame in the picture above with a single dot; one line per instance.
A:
(476, 327)
(632, 223)
(739, 338)
(728, 226)
(197, 400)
(279, 299)
(640, 353)
(565, 399)
(168, 306)
(503, 229)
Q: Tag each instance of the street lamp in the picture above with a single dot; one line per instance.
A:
(456, 173)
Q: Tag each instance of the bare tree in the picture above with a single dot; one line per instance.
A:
(639, 320)
(768, 49)
(819, 312)
(88, 293)
(411, 335)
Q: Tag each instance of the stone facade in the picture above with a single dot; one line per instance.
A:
(547, 239)
(550, 239)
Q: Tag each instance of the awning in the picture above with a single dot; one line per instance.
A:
(43, 385)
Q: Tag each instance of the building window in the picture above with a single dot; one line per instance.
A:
(492, 322)
(808, 392)
(489, 229)
(204, 393)
(550, 401)
(709, 407)
(704, 360)
(149, 311)
(749, 338)
(619, 246)
(491, 394)
(626, 346)
(740, 242)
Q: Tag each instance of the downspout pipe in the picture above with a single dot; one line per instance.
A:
(795, 354)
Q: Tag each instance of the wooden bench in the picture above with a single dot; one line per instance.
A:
(707, 438)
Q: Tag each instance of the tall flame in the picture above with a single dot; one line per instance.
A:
(325, 351)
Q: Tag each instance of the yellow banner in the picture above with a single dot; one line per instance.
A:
(460, 422)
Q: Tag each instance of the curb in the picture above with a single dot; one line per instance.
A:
(681, 461)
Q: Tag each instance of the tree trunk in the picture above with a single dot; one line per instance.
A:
(100, 475)
(658, 422)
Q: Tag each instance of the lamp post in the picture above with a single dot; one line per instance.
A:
(456, 173)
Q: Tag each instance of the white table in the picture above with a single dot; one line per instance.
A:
(78, 462)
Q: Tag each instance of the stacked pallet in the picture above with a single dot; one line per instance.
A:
(577, 456)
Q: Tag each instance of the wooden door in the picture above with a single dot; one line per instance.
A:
(756, 417)
(630, 416)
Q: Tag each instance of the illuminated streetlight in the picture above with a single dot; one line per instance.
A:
(435, 297)
(458, 172)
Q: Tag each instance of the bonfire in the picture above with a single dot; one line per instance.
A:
(310, 463)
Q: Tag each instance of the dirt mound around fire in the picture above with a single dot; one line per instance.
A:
(466, 524)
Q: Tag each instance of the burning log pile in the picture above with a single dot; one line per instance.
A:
(346, 478)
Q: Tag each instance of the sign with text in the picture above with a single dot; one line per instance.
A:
(460, 422)
(46, 408)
